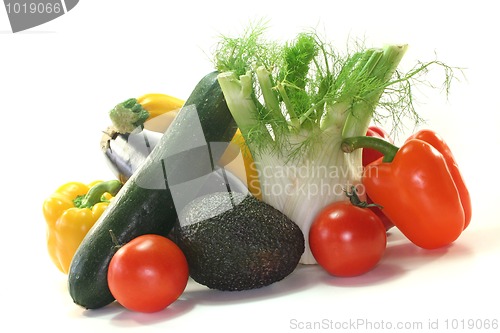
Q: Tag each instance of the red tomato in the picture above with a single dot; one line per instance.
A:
(347, 240)
(148, 274)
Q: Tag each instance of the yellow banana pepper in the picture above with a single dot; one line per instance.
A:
(162, 110)
(132, 113)
(157, 104)
(70, 212)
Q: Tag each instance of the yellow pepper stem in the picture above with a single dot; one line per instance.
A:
(128, 115)
(95, 194)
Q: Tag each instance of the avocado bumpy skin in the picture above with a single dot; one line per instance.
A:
(233, 241)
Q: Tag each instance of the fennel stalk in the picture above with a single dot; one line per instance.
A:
(294, 104)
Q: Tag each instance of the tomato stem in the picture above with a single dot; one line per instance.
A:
(356, 201)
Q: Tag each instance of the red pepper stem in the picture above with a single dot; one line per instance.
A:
(386, 148)
(94, 195)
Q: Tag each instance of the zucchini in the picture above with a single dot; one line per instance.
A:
(166, 181)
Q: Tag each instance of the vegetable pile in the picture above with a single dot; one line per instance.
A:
(276, 159)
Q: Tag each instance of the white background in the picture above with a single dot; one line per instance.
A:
(58, 80)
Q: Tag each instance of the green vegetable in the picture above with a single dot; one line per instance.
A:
(128, 115)
(235, 242)
(295, 102)
(148, 201)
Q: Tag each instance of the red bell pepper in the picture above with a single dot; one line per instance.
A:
(437, 142)
(369, 156)
(416, 188)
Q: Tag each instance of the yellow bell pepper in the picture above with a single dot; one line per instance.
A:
(70, 212)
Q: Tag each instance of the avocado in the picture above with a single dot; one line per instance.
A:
(233, 241)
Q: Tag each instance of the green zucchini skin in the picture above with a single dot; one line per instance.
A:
(145, 204)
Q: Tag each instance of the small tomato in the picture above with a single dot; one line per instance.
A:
(347, 240)
(148, 273)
